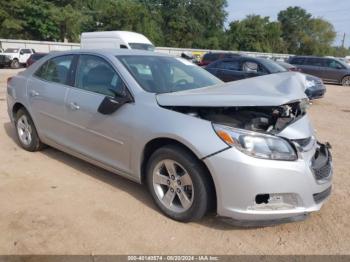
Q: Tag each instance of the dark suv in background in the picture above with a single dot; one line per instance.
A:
(241, 67)
(329, 69)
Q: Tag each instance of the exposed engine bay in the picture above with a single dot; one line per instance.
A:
(259, 119)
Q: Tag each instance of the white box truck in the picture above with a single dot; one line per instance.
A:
(115, 39)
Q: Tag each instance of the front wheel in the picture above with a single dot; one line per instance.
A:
(179, 184)
(15, 64)
(346, 81)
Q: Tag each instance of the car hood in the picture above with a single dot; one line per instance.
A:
(269, 90)
(9, 54)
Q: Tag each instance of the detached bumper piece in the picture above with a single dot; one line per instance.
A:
(322, 162)
(319, 197)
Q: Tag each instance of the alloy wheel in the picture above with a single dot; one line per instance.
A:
(173, 186)
(24, 130)
(346, 81)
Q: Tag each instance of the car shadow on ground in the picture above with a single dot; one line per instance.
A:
(137, 191)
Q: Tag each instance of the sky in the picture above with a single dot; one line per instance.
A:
(335, 11)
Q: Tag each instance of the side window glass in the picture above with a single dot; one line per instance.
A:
(56, 69)
(314, 62)
(333, 64)
(123, 47)
(94, 74)
(26, 51)
(230, 65)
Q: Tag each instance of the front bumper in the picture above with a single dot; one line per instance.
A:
(251, 189)
(4, 61)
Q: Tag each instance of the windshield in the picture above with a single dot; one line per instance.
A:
(272, 66)
(140, 46)
(157, 74)
(11, 50)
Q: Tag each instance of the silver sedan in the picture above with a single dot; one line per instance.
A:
(246, 149)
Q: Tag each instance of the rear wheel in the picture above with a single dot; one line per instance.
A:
(179, 184)
(26, 132)
(346, 81)
(15, 64)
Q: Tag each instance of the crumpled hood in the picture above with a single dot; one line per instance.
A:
(268, 90)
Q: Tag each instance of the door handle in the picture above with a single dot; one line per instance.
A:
(74, 106)
(33, 93)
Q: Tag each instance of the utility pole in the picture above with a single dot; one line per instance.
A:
(343, 41)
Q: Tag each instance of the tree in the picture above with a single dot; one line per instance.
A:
(255, 33)
(294, 22)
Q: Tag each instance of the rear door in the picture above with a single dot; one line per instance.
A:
(313, 66)
(47, 90)
(104, 138)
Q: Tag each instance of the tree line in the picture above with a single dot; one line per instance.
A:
(176, 23)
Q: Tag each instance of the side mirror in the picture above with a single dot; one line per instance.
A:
(111, 104)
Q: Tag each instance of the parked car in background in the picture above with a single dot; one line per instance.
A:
(245, 148)
(214, 56)
(241, 67)
(115, 39)
(15, 57)
(288, 66)
(1, 50)
(329, 69)
(35, 57)
(345, 60)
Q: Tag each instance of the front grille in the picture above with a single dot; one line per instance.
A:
(322, 163)
(3, 59)
(319, 197)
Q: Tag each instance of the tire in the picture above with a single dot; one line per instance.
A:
(194, 185)
(345, 81)
(15, 64)
(26, 132)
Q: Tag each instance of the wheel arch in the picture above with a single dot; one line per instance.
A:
(157, 143)
(342, 79)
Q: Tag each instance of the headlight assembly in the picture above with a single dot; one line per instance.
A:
(256, 144)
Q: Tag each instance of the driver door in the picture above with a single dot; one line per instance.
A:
(103, 138)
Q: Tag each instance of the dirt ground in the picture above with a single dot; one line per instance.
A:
(52, 203)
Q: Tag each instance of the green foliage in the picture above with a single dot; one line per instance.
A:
(255, 33)
(175, 23)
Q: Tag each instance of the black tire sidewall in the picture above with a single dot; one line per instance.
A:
(35, 143)
(343, 80)
(201, 187)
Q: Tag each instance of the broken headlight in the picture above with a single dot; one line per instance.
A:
(256, 144)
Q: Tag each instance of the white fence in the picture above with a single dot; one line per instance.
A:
(46, 46)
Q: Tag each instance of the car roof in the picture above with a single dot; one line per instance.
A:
(112, 52)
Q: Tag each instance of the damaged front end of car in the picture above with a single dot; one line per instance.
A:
(273, 167)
